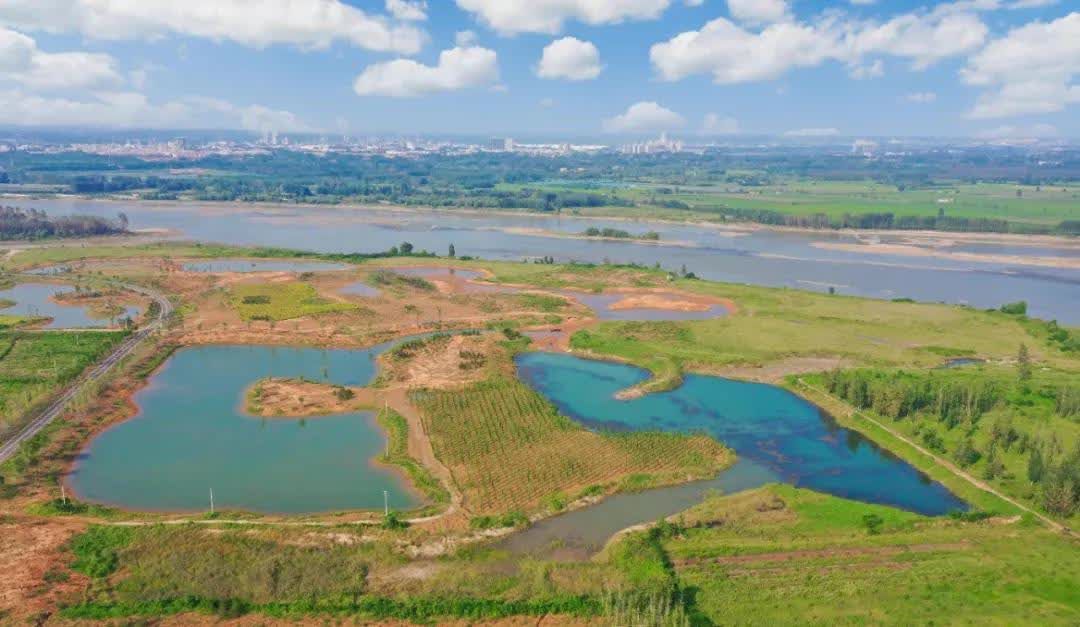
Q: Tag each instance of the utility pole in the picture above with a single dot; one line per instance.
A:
(386, 503)
(211, 500)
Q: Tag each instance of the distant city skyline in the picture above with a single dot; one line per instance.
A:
(618, 70)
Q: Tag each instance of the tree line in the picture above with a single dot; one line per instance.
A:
(1053, 472)
(18, 223)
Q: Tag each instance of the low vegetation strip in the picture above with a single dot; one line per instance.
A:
(397, 453)
(510, 449)
(282, 301)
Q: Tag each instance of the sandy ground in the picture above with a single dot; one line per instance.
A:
(658, 301)
(909, 250)
(29, 548)
(292, 398)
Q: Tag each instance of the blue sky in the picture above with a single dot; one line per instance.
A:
(615, 67)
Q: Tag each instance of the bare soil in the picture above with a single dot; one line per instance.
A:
(292, 398)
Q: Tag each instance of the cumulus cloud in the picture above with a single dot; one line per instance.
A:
(812, 132)
(303, 23)
(715, 124)
(127, 109)
(458, 68)
(569, 58)
(406, 10)
(1032, 69)
(758, 11)
(22, 62)
(642, 117)
(922, 97)
(548, 16)
(733, 54)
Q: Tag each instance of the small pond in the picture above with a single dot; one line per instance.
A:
(359, 289)
(35, 299)
(601, 305)
(191, 436)
(445, 274)
(262, 265)
(776, 435)
(960, 362)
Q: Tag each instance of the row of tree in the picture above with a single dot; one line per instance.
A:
(897, 395)
(18, 223)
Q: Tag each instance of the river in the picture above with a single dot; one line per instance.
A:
(760, 257)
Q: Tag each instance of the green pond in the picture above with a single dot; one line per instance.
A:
(191, 435)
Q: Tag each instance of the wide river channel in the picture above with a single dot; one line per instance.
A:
(761, 257)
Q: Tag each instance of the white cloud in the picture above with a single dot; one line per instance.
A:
(922, 97)
(465, 38)
(642, 117)
(126, 109)
(407, 10)
(758, 11)
(714, 124)
(570, 58)
(1032, 69)
(546, 103)
(864, 71)
(548, 16)
(303, 23)
(458, 68)
(812, 132)
(734, 54)
(21, 61)
(1009, 131)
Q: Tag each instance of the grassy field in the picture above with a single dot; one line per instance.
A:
(1046, 205)
(282, 301)
(34, 365)
(766, 556)
(509, 449)
(760, 557)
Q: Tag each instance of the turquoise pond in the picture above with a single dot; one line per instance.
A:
(35, 299)
(777, 435)
(191, 436)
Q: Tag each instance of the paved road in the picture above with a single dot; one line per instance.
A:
(60, 403)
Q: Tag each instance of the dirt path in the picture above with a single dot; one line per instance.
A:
(951, 467)
(420, 448)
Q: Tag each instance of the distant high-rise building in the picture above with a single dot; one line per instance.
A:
(661, 144)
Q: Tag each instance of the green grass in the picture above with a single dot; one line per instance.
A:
(397, 453)
(770, 555)
(1044, 206)
(282, 301)
(34, 365)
